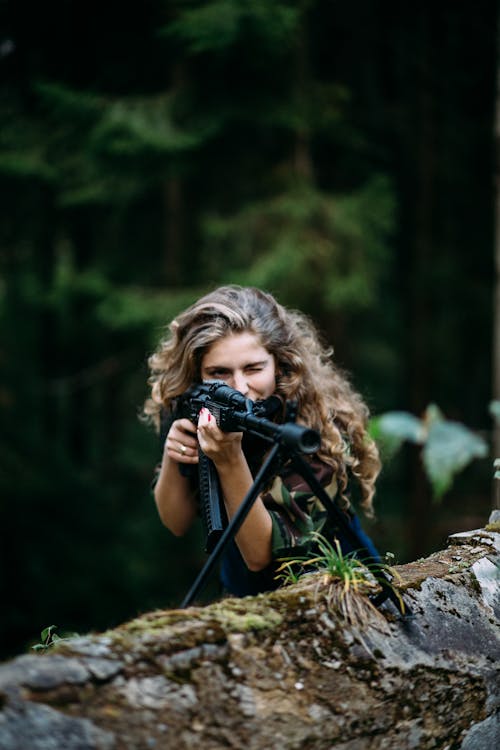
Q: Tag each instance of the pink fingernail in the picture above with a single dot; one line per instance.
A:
(209, 416)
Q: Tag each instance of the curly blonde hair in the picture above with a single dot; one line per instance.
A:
(306, 374)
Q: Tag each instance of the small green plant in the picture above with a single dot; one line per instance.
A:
(48, 638)
(329, 559)
(289, 571)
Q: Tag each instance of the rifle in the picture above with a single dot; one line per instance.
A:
(235, 413)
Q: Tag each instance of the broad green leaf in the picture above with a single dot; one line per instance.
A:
(219, 25)
(449, 448)
(47, 632)
(393, 428)
(432, 415)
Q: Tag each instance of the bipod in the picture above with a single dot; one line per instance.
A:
(271, 466)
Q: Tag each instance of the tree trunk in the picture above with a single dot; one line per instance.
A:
(173, 206)
(420, 336)
(302, 158)
(173, 231)
(496, 313)
(288, 669)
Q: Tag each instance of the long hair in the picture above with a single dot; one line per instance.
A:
(305, 373)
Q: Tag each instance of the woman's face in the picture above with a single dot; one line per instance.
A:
(243, 363)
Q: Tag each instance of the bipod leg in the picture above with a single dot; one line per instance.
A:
(387, 591)
(267, 468)
(338, 518)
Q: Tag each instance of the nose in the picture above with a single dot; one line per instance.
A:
(240, 383)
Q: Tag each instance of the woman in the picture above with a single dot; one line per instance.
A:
(244, 337)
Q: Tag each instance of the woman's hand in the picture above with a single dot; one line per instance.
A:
(181, 444)
(173, 494)
(223, 448)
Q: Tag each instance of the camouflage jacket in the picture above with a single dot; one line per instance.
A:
(295, 510)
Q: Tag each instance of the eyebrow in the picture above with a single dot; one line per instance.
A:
(226, 367)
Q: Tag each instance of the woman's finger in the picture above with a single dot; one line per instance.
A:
(180, 452)
(181, 443)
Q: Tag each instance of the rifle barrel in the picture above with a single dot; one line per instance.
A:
(290, 434)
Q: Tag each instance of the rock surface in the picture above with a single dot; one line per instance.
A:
(284, 670)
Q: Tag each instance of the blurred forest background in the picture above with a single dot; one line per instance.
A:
(340, 155)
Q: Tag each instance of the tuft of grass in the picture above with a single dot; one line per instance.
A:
(329, 559)
(345, 581)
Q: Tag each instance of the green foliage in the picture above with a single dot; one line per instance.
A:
(314, 249)
(320, 110)
(129, 143)
(219, 25)
(95, 148)
(23, 147)
(119, 307)
(141, 128)
(394, 428)
(447, 446)
(66, 103)
(343, 580)
(448, 449)
(48, 638)
(326, 558)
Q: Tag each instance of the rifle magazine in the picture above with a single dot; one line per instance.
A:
(213, 512)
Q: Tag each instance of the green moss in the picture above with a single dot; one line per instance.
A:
(494, 526)
(460, 566)
(234, 616)
(188, 628)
